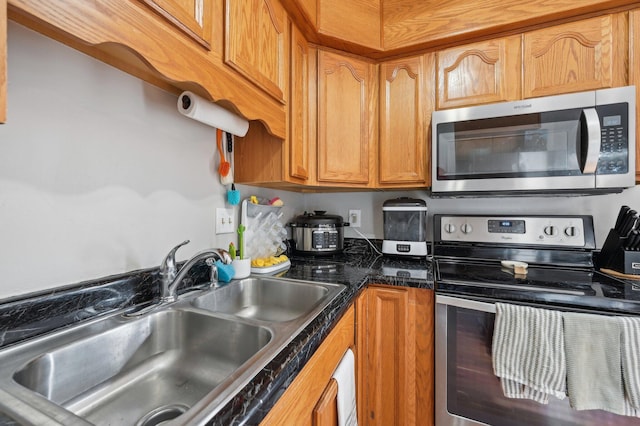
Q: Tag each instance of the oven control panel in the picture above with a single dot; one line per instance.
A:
(566, 231)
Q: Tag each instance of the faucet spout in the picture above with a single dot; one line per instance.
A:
(171, 278)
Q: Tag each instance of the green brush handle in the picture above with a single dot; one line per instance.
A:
(241, 230)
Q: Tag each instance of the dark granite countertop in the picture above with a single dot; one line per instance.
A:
(358, 266)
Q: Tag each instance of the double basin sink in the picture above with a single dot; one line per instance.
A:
(176, 364)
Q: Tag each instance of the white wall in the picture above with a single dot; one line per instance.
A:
(100, 175)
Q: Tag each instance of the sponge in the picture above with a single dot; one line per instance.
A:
(225, 272)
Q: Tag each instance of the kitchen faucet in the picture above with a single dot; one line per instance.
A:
(171, 277)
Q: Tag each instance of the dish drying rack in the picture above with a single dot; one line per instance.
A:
(264, 234)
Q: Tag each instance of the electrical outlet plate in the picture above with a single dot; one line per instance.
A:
(225, 221)
(355, 218)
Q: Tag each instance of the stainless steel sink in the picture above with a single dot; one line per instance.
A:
(265, 299)
(159, 364)
(182, 361)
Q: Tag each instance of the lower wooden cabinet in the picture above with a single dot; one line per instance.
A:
(311, 398)
(394, 336)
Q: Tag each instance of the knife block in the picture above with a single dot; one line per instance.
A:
(614, 256)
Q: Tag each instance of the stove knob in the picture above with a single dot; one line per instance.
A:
(571, 231)
(466, 228)
(450, 228)
(550, 231)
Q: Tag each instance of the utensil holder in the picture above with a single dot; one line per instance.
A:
(614, 256)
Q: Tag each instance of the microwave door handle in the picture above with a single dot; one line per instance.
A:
(590, 141)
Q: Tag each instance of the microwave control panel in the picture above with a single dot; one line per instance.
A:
(614, 140)
(566, 231)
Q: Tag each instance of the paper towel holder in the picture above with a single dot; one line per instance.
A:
(211, 114)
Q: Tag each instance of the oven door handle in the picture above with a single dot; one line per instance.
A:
(590, 140)
(465, 303)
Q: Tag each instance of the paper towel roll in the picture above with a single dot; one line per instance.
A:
(204, 111)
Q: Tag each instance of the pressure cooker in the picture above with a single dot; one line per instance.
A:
(318, 233)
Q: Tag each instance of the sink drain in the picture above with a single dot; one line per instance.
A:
(162, 414)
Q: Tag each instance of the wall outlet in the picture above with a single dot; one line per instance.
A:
(225, 221)
(355, 218)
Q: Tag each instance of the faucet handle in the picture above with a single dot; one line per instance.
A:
(168, 267)
(213, 276)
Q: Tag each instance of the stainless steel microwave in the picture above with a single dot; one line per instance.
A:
(579, 142)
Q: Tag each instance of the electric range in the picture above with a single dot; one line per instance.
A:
(559, 251)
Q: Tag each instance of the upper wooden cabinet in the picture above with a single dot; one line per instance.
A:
(256, 43)
(193, 17)
(583, 55)
(634, 75)
(578, 56)
(405, 110)
(478, 73)
(395, 345)
(3, 61)
(265, 160)
(300, 143)
(347, 109)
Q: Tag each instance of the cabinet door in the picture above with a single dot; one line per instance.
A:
(308, 399)
(325, 413)
(256, 43)
(193, 17)
(583, 55)
(3, 61)
(346, 119)
(405, 111)
(395, 341)
(634, 75)
(299, 108)
(479, 73)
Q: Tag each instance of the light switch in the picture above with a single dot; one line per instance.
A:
(225, 221)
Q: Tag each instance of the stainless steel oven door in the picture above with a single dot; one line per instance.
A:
(467, 391)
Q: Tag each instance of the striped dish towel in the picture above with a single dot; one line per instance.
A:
(528, 352)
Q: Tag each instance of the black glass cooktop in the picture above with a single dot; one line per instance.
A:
(580, 288)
